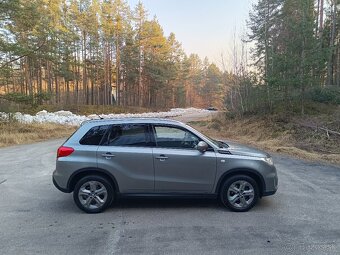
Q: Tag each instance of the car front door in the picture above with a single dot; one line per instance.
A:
(179, 166)
(127, 155)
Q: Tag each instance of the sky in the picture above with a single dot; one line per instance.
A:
(205, 27)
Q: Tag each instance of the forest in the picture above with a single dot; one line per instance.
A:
(98, 53)
(296, 57)
(105, 52)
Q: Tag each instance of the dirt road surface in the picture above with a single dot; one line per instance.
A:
(302, 218)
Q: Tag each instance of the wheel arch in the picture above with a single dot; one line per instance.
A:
(242, 171)
(77, 175)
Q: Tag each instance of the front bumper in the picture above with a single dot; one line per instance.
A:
(268, 193)
(272, 188)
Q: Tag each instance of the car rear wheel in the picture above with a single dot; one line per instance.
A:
(239, 193)
(93, 194)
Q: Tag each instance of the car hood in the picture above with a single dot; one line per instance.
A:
(243, 150)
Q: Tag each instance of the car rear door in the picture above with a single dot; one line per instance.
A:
(127, 155)
(179, 166)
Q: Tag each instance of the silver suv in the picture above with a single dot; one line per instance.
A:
(106, 159)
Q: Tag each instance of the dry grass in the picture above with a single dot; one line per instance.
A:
(279, 135)
(12, 133)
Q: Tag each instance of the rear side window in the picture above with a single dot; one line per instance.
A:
(94, 135)
(128, 135)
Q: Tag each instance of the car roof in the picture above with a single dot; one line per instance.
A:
(132, 120)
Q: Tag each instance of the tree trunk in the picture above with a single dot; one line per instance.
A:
(330, 65)
(85, 87)
(321, 18)
(117, 72)
(56, 90)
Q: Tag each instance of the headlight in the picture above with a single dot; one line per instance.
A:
(269, 161)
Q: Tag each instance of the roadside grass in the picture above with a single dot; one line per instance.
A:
(296, 136)
(14, 133)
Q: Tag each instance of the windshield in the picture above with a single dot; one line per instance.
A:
(219, 144)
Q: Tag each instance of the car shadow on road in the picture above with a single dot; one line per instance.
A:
(264, 204)
(165, 203)
(67, 204)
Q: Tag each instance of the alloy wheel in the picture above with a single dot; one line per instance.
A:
(92, 195)
(240, 194)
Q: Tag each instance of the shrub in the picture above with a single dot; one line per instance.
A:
(327, 95)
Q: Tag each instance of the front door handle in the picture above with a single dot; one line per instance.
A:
(162, 157)
(108, 155)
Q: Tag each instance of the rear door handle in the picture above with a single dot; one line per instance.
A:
(108, 155)
(162, 157)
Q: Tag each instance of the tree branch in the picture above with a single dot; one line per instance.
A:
(25, 55)
(328, 131)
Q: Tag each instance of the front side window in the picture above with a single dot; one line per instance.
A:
(94, 135)
(128, 135)
(172, 137)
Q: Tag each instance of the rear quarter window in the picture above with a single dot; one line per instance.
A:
(128, 135)
(94, 135)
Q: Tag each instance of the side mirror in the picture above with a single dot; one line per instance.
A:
(202, 146)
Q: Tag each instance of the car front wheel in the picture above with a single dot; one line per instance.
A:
(93, 194)
(239, 193)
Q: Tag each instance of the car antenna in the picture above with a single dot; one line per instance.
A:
(100, 117)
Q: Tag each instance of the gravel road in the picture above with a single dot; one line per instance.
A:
(35, 218)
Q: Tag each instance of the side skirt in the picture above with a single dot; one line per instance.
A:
(167, 195)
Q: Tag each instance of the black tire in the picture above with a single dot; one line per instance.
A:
(237, 206)
(98, 180)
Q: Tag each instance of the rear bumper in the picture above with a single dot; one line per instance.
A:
(58, 187)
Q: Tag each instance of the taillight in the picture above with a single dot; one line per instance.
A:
(64, 151)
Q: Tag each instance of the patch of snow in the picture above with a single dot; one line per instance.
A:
(69, 118)
(4, 116)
